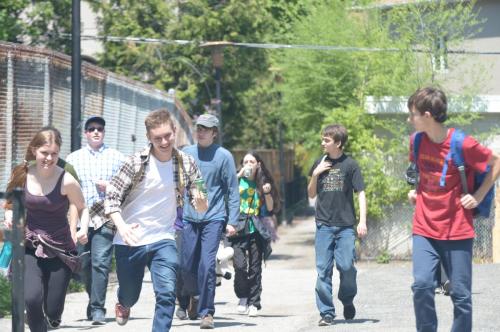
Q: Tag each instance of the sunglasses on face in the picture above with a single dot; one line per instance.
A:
(92, 129)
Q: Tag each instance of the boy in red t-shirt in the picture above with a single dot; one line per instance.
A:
(443, 230)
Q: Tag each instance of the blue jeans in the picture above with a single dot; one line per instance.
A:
(96, 267)
(456, 257)
(200, 241)
(334, 243)
(161, 259)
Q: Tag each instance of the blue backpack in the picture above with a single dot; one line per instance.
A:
(457, 156)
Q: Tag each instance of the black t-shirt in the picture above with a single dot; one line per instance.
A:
(334, 200)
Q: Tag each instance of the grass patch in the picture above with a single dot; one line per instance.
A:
(384, 257)
(5, 299)
(75, 286)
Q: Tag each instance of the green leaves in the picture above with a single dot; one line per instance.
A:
(11, 26)
(36, 22)
(324, 87)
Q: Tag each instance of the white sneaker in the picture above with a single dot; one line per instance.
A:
(253, 311)
(242, 306)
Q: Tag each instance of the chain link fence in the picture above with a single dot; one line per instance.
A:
(391, 238)
(35, 91)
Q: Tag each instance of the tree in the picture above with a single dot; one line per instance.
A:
(323, 87)
(46, 23)
(10, 24)
(38, 23)
(188, 68)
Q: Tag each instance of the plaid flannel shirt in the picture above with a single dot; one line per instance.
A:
(132, 173)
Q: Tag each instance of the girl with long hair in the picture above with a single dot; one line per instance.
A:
(258, 198)
(50, 240)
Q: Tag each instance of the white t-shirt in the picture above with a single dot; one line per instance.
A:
(152, 204)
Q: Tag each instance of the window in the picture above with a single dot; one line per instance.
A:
(440, 55)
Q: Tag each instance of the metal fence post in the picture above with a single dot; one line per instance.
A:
(17, 239)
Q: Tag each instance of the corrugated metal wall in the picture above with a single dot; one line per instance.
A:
(35, 90)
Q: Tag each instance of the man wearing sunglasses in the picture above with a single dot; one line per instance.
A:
(95, 164)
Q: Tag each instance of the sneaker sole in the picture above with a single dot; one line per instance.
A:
(207, 327)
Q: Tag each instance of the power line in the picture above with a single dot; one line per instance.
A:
(143, 40)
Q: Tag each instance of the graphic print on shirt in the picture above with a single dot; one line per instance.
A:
(334, 181)
(249, 197)
(432, 168)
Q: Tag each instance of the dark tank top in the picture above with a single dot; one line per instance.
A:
(47, 215)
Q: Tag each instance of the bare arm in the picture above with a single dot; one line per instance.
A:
(126, 231)
(266, 188)
(362, 229)
(73, 220)
(75, 196)
(313, 183)
(8, 219)
(312, 187)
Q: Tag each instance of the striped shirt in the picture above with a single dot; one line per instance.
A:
(132, 173)
(91, 165)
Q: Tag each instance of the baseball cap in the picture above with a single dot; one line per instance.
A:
(96, 119)
(207, 120)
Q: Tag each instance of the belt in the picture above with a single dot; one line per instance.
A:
(109, 224)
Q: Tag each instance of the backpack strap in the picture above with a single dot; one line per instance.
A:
(417, 139)
(457, 156)
(457, 141)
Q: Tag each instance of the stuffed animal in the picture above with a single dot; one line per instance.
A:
(222, 268)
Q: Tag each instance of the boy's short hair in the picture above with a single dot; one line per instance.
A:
(157, 118)
(430, 100)
(337, 132)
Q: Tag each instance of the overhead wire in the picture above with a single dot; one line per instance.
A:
(144, 40)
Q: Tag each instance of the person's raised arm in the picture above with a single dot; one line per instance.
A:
(312, 187)
(268, 198)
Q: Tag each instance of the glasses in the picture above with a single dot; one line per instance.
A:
(201, 128)
(92, 129)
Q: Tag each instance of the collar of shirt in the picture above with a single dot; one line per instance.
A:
(100, 150)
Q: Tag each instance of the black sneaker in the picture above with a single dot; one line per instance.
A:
(52, 324)
(349, 311)
(193, 308)
(326, 321)
(446, 288)
(98, 318)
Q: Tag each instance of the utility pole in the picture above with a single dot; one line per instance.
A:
(76, 77)
(217, 50)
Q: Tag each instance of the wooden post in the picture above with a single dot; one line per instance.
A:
(496, 229)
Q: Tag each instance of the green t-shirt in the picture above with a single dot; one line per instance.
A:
(249, 200)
